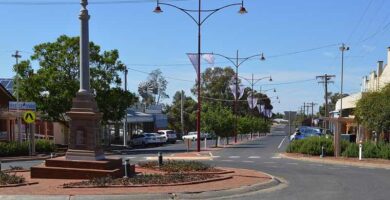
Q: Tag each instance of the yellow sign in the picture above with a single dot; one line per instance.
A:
(29, 117)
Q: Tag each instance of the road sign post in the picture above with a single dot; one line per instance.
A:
(29, 117)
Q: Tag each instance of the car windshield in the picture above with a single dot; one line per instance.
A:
(149, 135)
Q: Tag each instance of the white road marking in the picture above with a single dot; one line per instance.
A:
(276, 157)
(270, 162)
(234, 156)
(131, 157)
(227, 160)
(280, 145)
(247, 161)
(254, 157)
(317, 165)
(292, 163)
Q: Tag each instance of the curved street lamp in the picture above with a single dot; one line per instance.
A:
(237, 62)
(199, 21)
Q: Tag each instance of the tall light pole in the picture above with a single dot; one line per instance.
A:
(237, 62)
(253, 82)
(125, 123)
(199, 21)
(343, 48)
(17, 56)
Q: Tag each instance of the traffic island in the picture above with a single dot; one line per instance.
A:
(151, 183)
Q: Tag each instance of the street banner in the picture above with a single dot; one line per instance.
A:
(252, 101)
(194, 60)
(209, 58)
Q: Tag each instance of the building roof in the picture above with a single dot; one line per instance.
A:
(5, 92)
(138, 117)
(8, 84)
(349, 101)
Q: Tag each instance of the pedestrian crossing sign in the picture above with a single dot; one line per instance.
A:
(29, 117)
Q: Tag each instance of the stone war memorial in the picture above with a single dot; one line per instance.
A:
(84, 158)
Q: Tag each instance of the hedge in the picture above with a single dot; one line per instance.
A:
(21, 149)
(312, 146)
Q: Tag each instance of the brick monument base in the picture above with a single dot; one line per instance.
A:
(61, 168)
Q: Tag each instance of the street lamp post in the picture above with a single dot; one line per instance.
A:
(237, 62)
(343, 48)
(199, 21)
(253, 82)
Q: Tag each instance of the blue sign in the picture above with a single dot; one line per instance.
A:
(14, 106)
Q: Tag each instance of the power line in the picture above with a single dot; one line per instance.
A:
(290, 82)
(168, 77)
(360, 21)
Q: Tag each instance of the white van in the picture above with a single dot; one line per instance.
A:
(170, 135)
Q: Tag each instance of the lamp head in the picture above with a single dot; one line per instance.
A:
(262, 58)
(242, 8)
(158, 9)
(274, 90)
(270, 79)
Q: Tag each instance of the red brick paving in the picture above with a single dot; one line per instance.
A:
(241, 177)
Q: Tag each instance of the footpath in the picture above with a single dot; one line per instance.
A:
(365, 162)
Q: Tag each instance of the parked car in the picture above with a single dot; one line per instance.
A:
(160, 139)
(304, 132)
(169, 135)
(194, 136)
(153, 138)
(137, 140)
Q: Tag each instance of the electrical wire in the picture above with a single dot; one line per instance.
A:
(168, 77)
(360, 21)
(291, 82)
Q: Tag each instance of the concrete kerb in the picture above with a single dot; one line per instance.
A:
(270, 186)
(337, 162)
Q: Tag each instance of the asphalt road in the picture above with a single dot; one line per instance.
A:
(304, 180)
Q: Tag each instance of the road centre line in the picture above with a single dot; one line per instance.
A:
(280, 145)
(254, 157)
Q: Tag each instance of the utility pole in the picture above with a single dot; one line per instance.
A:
(182, 112)
(125, 123)
(326, 79)
(17, 56)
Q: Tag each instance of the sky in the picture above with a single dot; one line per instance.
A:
(277, 28)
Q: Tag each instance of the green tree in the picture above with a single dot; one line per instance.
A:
(55, 83)
(373, 110)
(218, 120)
(189, 113)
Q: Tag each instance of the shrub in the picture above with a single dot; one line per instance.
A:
(44, 146)
(352, 150)
(370, 150)
(7, 178)
(178, 166)
(22, 149)
(311, 146)
(13, 149)
(384, 150)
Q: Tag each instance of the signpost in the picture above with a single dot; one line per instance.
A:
(14, 106)
(29, 117)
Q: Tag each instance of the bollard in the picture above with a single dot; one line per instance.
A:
(127, 161)
(51, 155)
(322, 152)
(0, 165)
(160, 159)
(205, 143)
(360, 151)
